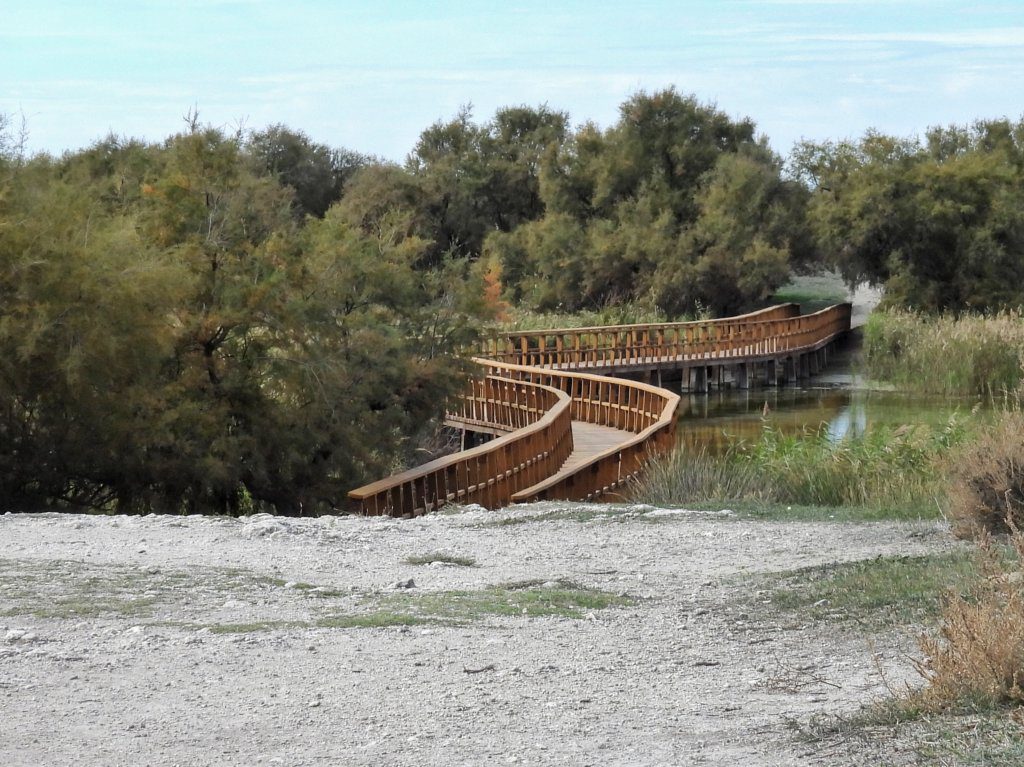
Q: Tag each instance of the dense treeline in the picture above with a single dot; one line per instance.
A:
(226, 322)
(939, 223)
(675, 206)
(175, 337)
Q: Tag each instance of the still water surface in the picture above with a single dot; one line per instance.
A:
(715, 421)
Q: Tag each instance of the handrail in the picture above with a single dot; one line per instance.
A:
(491, 473)
(607, 345)
(534, 388)
(759, 334)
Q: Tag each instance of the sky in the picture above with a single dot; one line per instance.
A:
(370, 76)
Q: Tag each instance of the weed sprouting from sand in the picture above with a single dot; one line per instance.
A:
(441, 557)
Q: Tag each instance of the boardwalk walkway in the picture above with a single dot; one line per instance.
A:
(567, 428)
(589, 440)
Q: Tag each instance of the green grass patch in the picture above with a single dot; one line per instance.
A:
(529, 600)
(67, 589)
(375, 619)
(74, 590)
(441, 558)
(84, 607)
(313, 590)
(879, 592)
(813, 292)
(533, 600)
(252, 627)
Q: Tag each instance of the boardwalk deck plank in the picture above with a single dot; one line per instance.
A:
(588, 440)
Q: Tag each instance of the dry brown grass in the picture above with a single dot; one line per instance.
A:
(977, 659)
(986, 480)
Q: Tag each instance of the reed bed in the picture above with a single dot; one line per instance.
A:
(894, 469)
(955, 356)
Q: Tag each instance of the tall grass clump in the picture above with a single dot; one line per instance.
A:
(886, 468)
(696, 477)
(986, 479)
(977, 658)
(892, 468)
(965, 355)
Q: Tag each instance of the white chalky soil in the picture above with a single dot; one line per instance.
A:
(111, 653)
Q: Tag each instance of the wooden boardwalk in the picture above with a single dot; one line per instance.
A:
(588, 441)
(567, 428)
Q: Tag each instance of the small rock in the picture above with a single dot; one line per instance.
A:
(13, 636)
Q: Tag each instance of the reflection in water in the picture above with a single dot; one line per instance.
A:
(850, 420)
(716, 421)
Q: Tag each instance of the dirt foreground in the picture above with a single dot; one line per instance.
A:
(209, 641)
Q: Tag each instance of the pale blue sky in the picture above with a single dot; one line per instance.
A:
(371, 76)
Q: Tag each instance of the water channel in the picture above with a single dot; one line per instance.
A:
(835, 400)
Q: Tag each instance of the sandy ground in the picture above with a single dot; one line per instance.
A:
(111, 651)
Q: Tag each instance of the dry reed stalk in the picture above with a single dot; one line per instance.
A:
(978, 656)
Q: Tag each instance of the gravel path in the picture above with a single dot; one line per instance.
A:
(194, 641)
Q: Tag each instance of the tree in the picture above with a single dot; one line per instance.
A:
(476, 179)
(190, 346)
(938, 224)
(316, 173)
(676, 205)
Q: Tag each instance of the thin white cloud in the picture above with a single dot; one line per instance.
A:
(1005, 37)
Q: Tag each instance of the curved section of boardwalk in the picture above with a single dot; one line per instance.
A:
(567, 432)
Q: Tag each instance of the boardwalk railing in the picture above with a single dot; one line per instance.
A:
(534, 387)
(491, 473)
(646, 411)
(759, 334)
